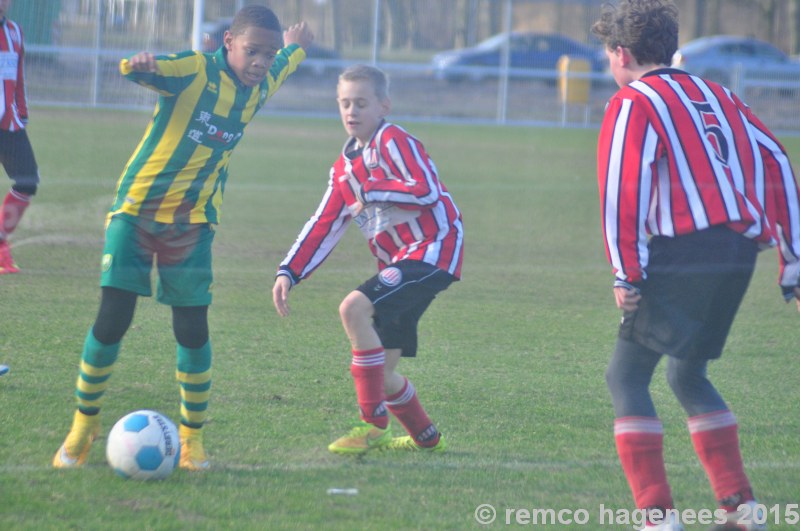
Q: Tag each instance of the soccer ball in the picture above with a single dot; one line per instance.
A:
(143, 445)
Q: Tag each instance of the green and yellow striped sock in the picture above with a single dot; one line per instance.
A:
(194, 378)
(97, 363)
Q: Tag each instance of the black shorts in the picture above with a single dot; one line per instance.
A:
(693, 289)
(400, 294)
(16, 156)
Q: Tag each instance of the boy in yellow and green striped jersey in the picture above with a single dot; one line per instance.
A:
(167, 201)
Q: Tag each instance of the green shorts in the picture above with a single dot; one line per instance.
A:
(181, 252)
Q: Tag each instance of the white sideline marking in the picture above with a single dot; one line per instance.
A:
(435, 463)
(56, 239)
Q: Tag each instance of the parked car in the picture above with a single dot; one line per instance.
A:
(528, 52)
(729, 59)
(319, 60)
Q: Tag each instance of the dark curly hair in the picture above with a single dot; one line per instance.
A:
(648, 28)
(254, 15)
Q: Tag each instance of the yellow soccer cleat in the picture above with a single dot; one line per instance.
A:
(407, 443)
(75, 449)
(361, 439)
(193, 455)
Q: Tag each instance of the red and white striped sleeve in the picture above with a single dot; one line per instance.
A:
(625, 153)
(319, 236)
(782, 199)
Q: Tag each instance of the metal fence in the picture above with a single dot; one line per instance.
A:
(76, 63)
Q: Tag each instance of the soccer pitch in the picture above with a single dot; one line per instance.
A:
(511, 362)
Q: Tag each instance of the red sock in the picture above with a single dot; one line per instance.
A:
(716, 441)
(406, 407)
(640, 445)
(367, 371)
(11, 211)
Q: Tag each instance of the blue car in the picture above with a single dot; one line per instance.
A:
(530, 55)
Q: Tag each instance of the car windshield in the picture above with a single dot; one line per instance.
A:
(695, 46)
(741, 48)
(768, 52)
(492, 43)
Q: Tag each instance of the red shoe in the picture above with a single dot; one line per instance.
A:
(7, 264)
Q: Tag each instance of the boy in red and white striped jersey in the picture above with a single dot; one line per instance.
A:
(16, 153)
(692, 185)
(385, 182)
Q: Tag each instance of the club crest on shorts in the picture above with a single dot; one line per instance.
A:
(106, 262)
(391, 276)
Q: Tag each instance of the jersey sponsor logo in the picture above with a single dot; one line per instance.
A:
(713, 130)
(391, 276)
(208, 131)
(212, 87)
(8, 66)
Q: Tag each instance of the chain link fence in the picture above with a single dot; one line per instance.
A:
(74, 47)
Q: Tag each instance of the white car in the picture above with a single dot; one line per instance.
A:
(735, 61)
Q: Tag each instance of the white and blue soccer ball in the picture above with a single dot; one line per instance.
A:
(143, 445)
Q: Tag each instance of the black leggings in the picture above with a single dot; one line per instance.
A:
(117, 306)
(16, 157)
(631, 370)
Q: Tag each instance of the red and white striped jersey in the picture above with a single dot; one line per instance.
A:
(12, 78)
(678, 154)
(409, 214)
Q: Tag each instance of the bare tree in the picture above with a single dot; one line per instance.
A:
(495, 8)
(396, 31)
(768, 9)
(699, 18)
(795, 27)
(714, 23)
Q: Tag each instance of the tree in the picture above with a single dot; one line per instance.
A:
(699, 18)
(768, 9)
(795, 40)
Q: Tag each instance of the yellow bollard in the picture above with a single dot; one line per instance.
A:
(573, 84)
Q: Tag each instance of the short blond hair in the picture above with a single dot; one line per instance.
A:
(376, 76)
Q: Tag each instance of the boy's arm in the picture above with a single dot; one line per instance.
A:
(165, 74)
(622, 178)
(318, 237)
(20, 97)
(296, 39)
(782, 204)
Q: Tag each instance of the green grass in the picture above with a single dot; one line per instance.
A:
(510, 367)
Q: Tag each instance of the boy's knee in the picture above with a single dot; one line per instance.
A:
(190, 325)
(25, 187)
(355, 307)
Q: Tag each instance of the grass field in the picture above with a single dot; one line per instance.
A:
(511, 360)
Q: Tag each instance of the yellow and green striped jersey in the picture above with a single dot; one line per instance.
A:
(178, 171)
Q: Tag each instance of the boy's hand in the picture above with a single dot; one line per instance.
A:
(298, 34)
(627, 299)
(280, 294)
(143, 62)
(356, 208)
(790, 293)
